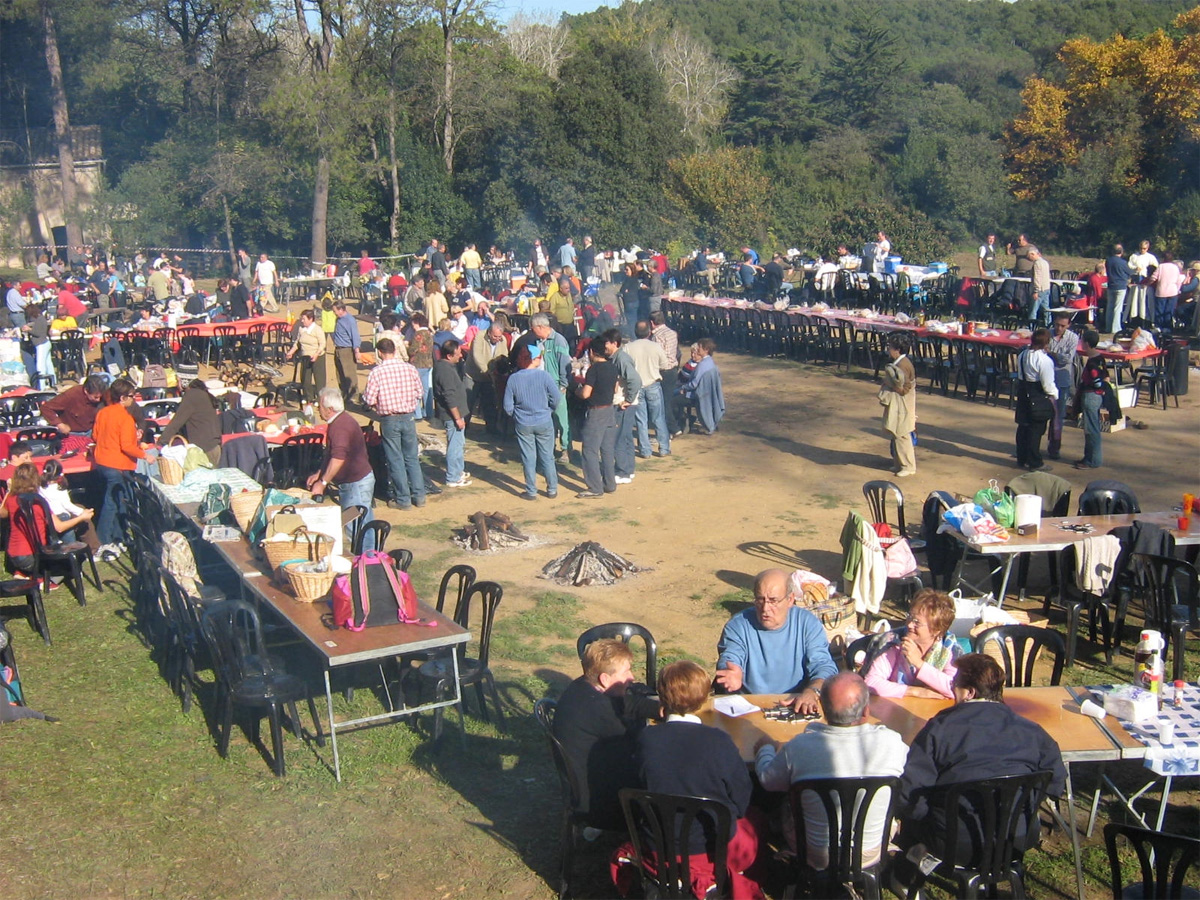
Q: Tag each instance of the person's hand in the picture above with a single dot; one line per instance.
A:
(63, 428)
(460, 423)
(87, 514)
(912, 653)
(763, 741)
(312, 479)
(806, 702)
(730, 677)
(291, 352)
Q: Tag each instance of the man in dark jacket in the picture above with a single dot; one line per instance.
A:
(196, 417)
(1119, 273)
(977, 738)
(450, 396)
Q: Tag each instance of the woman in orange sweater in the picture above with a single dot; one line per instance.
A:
(117, 452)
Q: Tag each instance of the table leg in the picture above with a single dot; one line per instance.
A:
(1162, 804)
(1008, 566)
(337, 763)
(1071, 823)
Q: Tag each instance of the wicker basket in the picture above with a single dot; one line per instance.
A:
(305, 545)
(244, 506)
(309, 587)
(169, 471)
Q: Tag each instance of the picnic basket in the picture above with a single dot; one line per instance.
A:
(305, 545)
(244, 506)
(309, 587)
(169, 471)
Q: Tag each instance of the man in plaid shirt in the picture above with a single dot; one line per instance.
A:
(394, 391)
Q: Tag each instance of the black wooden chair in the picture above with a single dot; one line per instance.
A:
(659, 827)
(996, 814)
(846, 803)
(1026, 643)
(1165, 860)
(624, 631)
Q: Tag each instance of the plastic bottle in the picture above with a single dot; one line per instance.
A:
(1177, 698)
(1147, 658)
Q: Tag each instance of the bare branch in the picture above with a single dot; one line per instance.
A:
(539, 39)
(697, 82)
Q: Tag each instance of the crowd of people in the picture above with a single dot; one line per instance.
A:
(777, 647)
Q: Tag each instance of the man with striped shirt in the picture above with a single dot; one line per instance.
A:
(394, 391)
(531, 398)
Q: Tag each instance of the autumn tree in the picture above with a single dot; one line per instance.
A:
(724, 193)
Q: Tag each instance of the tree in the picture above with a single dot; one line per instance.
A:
(723, 194)
(539, 40)
(454, 17)
(62, 126)
(864, 73)
(697, 82)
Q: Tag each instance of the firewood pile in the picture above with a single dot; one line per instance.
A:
(490, 531)
(588, 563)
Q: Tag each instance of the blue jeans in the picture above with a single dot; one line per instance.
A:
(474, 279)
(1116, 308)
(623, 452)
(456, 445)
(425, 407)
(1062, 381)
(1041, 301)
(1091, 404)
(109, 529)
(537, 451)
(399, 433)
(651, 410)
(359, 493)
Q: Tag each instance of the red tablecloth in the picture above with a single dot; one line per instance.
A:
(242, 326)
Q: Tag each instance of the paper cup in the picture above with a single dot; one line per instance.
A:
(1089, 708)
(1166, 732)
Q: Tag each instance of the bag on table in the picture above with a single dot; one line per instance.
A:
(375, 593)
(271, 497)
(215, 502)
(998, 503)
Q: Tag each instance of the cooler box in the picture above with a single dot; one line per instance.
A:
(517, 279)
(890, 264)
(940, 268)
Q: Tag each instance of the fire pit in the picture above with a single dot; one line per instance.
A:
(490, 531)
(588, 563)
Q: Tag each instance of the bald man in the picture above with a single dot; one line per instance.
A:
(775, 647)
(845, 745)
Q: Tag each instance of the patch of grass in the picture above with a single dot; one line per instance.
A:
(429, 531)
(545, 631)
(607, 513)
(827, 501)
(633, 523)
(733, 601)
(568, 521)
(668, 655)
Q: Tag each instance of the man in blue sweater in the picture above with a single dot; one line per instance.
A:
(531, 397)
(776, 647)
(1119, 273)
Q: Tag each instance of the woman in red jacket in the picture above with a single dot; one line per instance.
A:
(26, 480)
(117, 452)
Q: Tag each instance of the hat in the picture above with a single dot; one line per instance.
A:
(534, 351)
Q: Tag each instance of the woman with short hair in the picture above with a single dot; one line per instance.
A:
(117, 452)
(919, 661)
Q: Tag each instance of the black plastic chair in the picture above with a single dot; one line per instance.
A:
(471, 671)
(183, 639)
(379, 530)
(1160, 378)
(1165, 860)
(162, 408)
(403, 558)
(1172, 600)
(995, 812)
(660, 825)
(1106, 612)
(846, 833)
(877, 494)
(623, 631)
(1027, 642)
(1107, 501)
(458, 579)
(248, 677)
(296, 458)
(50, 554)
(870, 645)
(571, 788)
(32, 609)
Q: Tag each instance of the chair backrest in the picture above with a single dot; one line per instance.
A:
(569, 781)
(623, 631)
(489, 594)
(379, 528)
(1165, 860)
(1169, 582)
(462, 577)
(996, 812)
(660, 826)
(1027, 641)
(158, 409)
(1107, 502)
(402, 557)
(234, 637)
(877, 493)
(846, 831)
(182, 611)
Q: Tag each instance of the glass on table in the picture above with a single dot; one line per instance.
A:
(1188, 500)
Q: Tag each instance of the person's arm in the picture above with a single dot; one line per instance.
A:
(52, 410)
(1045, 371)
(64, 525)
(879, 676)
(731, 657)
(937, 679)
(509, 398)
(552, 393)
(920, 774)
(771, 766)
(129, 439)
(1051, 761)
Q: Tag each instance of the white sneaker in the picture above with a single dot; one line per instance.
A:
(621, 479)
(463, 483)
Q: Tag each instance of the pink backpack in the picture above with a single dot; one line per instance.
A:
(375, 593)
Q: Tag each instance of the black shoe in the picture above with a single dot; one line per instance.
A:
(552, 496)
(528, 496)
(397, 504)
(431, 488)
(419, 503)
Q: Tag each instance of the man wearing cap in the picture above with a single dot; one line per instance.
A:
(531, 397)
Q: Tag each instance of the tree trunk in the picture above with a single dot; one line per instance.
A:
(229, 234)
(320, 210)
(62, 128)
(394, 224)
(448, 95)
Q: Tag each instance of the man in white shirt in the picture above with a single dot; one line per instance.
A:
(650, 360)
(265, 277)
(883, 249)
(1036, 393)
(987, 257)
(1137, 300)
(847, 747)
